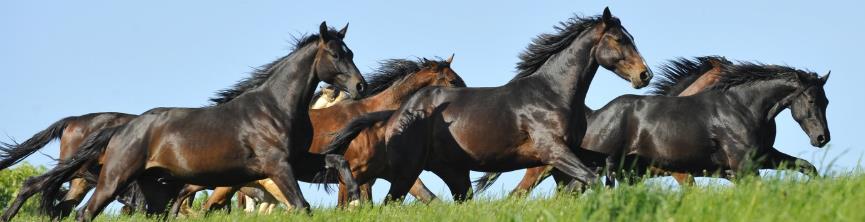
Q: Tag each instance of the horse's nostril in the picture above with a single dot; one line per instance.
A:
(821, 139)
(645, 76)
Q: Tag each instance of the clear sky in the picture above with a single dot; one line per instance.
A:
(66, 58)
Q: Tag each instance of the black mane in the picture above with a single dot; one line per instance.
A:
(261, 74)
(678, 74)
(546, 45)
(751, 72)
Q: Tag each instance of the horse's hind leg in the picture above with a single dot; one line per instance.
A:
(421, 192)
(78, 188)
(30, 187)
(458, 182)
(159, 195)
(220, 199)
(531, 179)
(114, 176)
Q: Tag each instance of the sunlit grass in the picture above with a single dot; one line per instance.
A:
(773, 198)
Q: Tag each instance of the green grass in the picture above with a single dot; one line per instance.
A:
(838, 198)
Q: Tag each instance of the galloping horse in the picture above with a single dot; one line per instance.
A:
(725, 129)
(263, 132)
(681, 77)
(528, 122)
(394, 82)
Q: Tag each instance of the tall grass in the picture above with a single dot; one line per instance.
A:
(834, 198)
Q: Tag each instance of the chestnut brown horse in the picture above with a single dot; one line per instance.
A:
(261, 133)
(528, 122)
(394, 82)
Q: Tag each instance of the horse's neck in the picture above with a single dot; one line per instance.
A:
(764, 100)
(393, 96)
(570, 72)
(293, 82)
(705, 81)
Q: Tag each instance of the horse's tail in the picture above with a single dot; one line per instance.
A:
(12, 153)
(486, 181)
(90, 151)
(344, 137)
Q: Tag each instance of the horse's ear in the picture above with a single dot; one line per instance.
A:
(342, 31)
(450, 59)
(322, 31)
(825, 78)
(607, 17)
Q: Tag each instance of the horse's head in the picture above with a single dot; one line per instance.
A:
(809, 108)
(439, 73)
(615, 51)
(334, 62)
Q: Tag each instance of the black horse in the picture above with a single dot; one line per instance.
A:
(525, 123)
(727, 129)
(681, 77)
(263, 132)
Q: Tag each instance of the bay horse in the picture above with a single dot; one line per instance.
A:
(262, 132)
(528, 122)
(71, 131)
(391, 84)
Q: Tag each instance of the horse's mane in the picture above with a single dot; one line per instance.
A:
(676, 75)
(546, 45)
(261, 74)
(752, 72)
(389, 72)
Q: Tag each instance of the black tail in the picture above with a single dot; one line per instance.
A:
(485, 182)
(65, 170)
(346, 135)
(14, 152)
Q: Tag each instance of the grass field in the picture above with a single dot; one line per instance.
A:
(836, 198)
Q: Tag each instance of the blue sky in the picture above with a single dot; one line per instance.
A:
(65, 58)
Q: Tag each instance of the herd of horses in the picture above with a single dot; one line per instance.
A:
(705, 116)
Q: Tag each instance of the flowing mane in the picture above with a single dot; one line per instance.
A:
(751, 72)
(261, 74)
(676, 75)
(391, 71)
(546, 45)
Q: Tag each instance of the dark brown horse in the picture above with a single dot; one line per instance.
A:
(71, 131)
(261, 133)
(394, 82)
(681, 77)
(528, 122)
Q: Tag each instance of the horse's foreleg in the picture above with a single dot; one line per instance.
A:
(557, 154)
(188, 191)
(30, 187)
(78, 188)
(341, 165)
(282, 174)
(776, 160)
